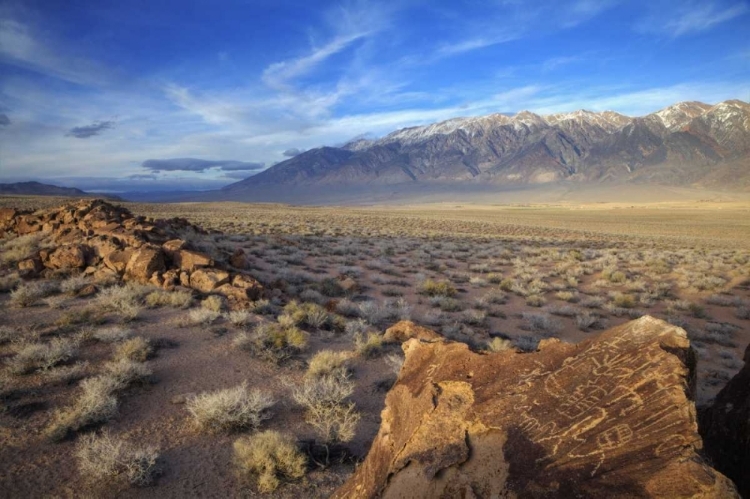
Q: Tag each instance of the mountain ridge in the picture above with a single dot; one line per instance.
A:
(687, 144)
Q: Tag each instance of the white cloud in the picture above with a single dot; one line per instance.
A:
(690, 17)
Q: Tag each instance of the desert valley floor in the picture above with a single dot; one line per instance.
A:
(490, 276)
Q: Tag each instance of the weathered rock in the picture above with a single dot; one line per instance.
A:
(232, 292)
(206, 280)
(173, 245)
(238, 259)
(118, 260)
(609, 417)
(30, 267)
(87, 291)
(71, 256)
(252, 288)
(190, 260)
(725, 427)
(110, 243)
(405, 330)
(144, 262)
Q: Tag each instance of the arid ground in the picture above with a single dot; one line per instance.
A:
(479, 274)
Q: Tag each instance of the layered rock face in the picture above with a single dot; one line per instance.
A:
(107, 241)
(612, 416)
(725, 428)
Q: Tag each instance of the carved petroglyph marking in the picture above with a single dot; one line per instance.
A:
(614, 437)
(582, 399)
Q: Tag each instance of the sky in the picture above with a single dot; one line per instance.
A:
(144, 95)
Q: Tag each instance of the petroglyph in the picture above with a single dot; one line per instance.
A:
(599, 419)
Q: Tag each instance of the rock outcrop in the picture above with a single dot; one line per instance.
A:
(107, 241)
(612, 416)
(725, 428)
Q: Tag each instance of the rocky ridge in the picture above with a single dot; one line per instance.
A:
(612, 416)
(108, 242)
(689, 144)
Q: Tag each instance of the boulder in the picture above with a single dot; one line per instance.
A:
(144, 262)
(118, 260)
(253, 289)
(7, 214)
(609, 417)
(725, 427)
(232, 292)
(30, 267)
(27, 224)
(238, 259)
(206, 280)
(190, 260)
(172, 246)
(71, 256)
(406, 330)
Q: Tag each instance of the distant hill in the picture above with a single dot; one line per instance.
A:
(689, 144)
(40, 189)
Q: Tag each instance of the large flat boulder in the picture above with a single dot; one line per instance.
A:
(725, 427)
(144, 262)
(71, 256)
(206, 280)
(612, 416)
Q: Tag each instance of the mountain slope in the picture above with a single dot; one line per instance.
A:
(687, 144)
(40, 189)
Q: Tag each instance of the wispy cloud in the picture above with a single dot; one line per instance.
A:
(21, 46)
(292, 152)
(690, 17)
(84, 132)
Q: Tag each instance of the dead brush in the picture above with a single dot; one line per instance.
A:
(102, 457)
(230, 409)
(269, 458)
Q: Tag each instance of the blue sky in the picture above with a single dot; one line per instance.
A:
(150, 94)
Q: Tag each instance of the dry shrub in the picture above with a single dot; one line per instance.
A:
(329, 363)
(199, 316)
(96, 404)
(72, 285)
(66, 374)
(436, 288)
(332, 418)
(126, 372)
(310, 314)
(20, 248)
(137, 349)
(269, 457)
(9, 282)
(172, 299)
(239, 318)
(367, 345)
(394, 362)
(498, 344)
(7, 334)
(29, 293)
(125, 301)
(272, 341)
(112, 334)
(230, 409)
(103, 456)
(33, 356)
(214, 303)
(624, 301)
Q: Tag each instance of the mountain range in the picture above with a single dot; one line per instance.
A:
(689, 144)
(40, 189)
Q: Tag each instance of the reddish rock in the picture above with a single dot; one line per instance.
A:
(238, 259)
(406, 330)
(144, 262)
(171, 278)
(87, 291)
(72, 256)
(27, 224)
(185, 279)
(173, 245)
(253, 289)
(7, 214)
(725, 427)
(206, 280)
(156, 280)
(609, 417)
(103, 245)
(232, 292)
(190, 260)
(30, 267)
(118, 260)
(104, 275)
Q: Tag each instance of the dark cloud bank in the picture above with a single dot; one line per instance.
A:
(84, 132)
(199, 165)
